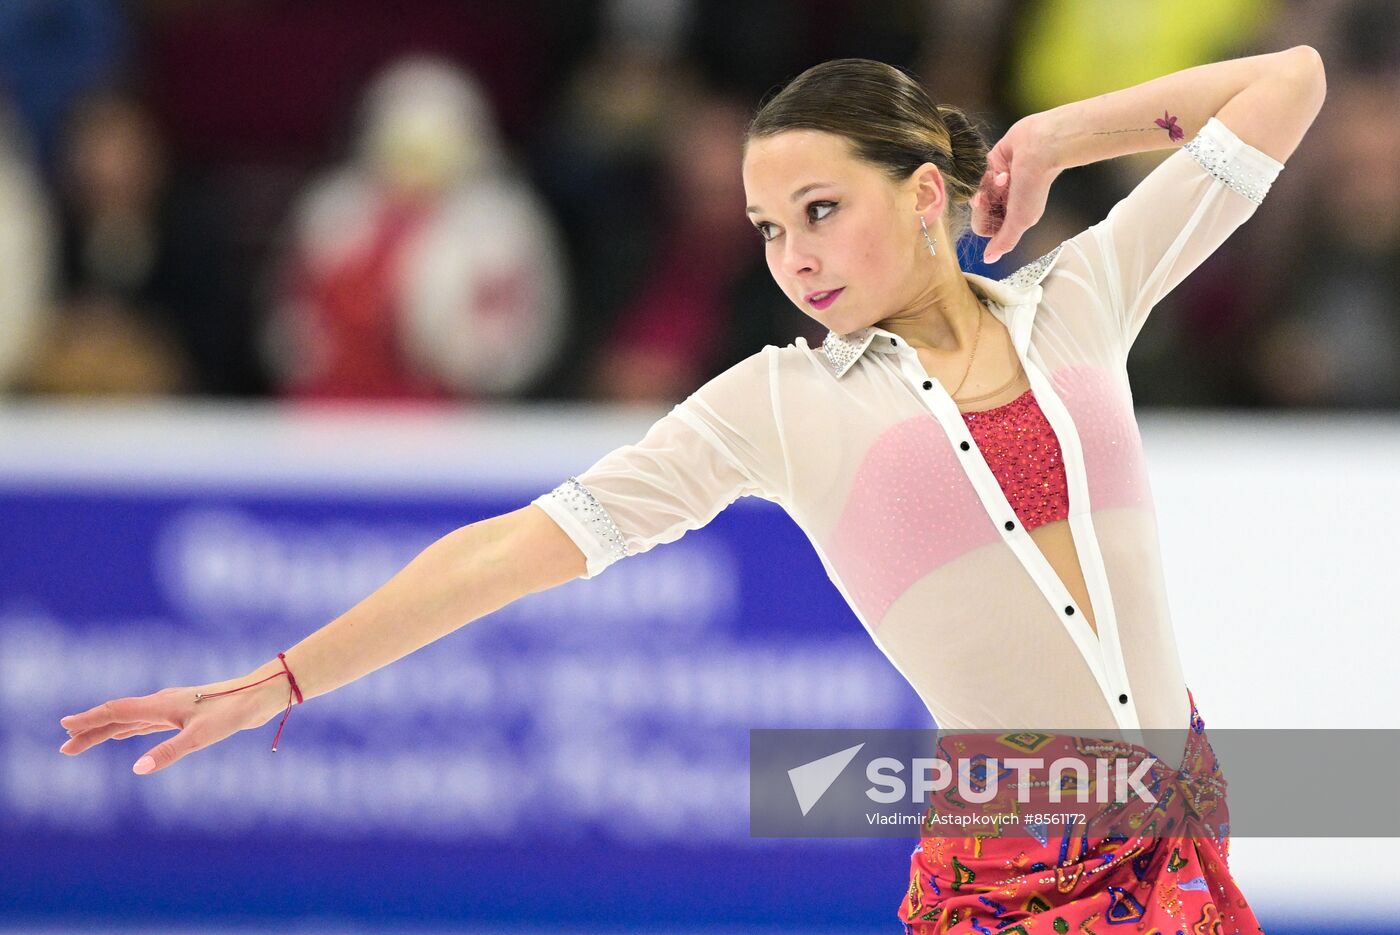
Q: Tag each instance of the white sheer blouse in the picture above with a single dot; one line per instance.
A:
(875, 463)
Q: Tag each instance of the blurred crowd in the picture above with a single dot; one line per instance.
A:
(541, 199)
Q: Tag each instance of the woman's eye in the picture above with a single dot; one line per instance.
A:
(826, 206)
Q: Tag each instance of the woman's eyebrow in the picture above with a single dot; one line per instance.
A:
(795, 195)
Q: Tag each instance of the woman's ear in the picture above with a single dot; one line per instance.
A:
(929, 191)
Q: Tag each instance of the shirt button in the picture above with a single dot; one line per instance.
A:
(965, 446)
(894, 342)
(1069, 610)
(1122, 699)
(1010, 524)
(928, 384)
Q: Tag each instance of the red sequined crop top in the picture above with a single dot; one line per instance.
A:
(1023, 453)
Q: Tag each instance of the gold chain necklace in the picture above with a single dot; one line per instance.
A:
(981, 308)
(1015, 378)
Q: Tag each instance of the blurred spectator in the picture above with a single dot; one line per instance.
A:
(596, 156)
(26, 252)
(146, 302)
(1323, 308)
(1335, 337)
(52, 54)
(637, 186)
(706, 298)
(424, 267)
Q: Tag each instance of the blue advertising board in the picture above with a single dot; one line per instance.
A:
(578, 756)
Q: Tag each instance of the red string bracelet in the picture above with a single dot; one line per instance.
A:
(292, 679)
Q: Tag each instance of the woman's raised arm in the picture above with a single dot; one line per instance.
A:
(1269, 100)
(466, 574)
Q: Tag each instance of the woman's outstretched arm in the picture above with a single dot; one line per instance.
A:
(720, 443)
(466, 574)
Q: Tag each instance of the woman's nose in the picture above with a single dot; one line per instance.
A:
(797, 260)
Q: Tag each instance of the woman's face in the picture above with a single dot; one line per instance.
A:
(831, 221)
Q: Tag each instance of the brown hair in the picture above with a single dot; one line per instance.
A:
(889, 121)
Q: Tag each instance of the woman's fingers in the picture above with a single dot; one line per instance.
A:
(86, 739)
(161, 756)
(1025, 198)
(175, 708)
(989, 204)
(92, 717)
(116, 711)
(1020, 170)
(137, 731)
(212, 727)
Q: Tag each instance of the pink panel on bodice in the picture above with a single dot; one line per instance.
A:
(1102, 409)
(912, 509)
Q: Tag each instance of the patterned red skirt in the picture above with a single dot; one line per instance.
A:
(1156, 869)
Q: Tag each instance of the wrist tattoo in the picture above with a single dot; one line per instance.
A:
(1165, 122)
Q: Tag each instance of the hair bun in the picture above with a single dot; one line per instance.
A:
(969, 146)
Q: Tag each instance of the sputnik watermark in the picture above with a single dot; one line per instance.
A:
(890, 786)
(977, 778)
(1167, 782)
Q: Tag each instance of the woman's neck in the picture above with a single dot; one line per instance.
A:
(944, 321)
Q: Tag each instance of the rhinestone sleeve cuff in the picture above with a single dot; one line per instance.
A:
(584, 520)
(1034, 271)
(1233, 161)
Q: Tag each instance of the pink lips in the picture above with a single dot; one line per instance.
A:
(826, 298)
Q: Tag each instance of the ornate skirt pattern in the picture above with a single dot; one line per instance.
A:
(1147, 869)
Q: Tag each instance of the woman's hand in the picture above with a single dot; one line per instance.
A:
(1020, 169)
(199, 724)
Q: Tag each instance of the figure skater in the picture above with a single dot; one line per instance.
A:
(961, 452)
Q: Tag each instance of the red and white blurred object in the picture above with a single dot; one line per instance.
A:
(425, 267)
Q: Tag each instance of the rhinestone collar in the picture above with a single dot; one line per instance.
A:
(843, 350)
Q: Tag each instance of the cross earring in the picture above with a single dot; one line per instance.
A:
(927, 239)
